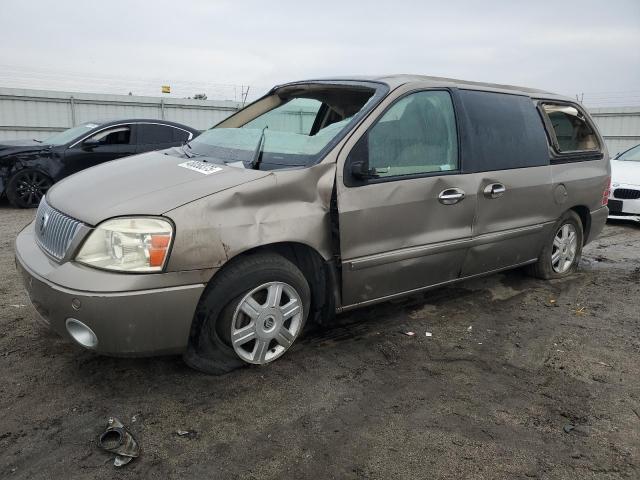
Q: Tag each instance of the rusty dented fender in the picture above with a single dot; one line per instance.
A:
(291, 205)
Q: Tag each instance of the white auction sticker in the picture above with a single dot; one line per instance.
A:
(200, 167)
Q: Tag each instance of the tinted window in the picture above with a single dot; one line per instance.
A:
(180, 136)
(570, 127)
(504, 131)
(113, 136)
(153, 134)
(416, 135)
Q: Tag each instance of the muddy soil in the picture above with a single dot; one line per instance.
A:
(521, 378)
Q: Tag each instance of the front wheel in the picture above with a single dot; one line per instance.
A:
(26, 188)
(561, 253)
(251, 313)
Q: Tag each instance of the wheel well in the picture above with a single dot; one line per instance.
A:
(317, 271)
(585, 217)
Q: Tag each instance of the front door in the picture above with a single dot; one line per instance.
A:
(108, 144)
(405, 210)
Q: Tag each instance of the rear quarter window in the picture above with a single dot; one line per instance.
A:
(570, 129)
(180, 136)
(504, 131)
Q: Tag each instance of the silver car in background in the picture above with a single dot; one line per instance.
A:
(321, 197)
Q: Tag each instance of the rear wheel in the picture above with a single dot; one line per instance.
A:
(251, 313)
(561, 253)
(26, 188)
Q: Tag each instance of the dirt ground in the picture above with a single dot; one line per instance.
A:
(512, 363)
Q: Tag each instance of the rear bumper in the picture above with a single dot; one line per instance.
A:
(144, 321)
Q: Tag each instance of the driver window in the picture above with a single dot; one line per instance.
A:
(416, 135)
(112, 136)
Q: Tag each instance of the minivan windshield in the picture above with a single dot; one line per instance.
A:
(293, 134)
(631, 155)
(70, 134)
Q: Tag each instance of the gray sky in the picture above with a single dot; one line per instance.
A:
(197, 45)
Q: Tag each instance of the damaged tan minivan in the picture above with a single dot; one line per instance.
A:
(320, 197)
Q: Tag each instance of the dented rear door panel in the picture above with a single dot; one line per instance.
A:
(510, 229)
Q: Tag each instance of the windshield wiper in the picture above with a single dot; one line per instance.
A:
(188, 154)
(36, 140)
(257, 155)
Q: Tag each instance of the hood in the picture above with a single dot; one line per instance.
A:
(625, 172)
(148, 184)
(10, 147)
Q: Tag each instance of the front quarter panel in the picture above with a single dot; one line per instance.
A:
(47, 161)
(284, 206)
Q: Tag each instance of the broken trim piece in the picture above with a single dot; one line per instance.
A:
(117, 439)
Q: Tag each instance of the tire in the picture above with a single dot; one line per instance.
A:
(236, 302)
(551, 263)
(26, 188)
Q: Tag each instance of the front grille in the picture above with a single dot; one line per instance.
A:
(626, 193)
(54, 230)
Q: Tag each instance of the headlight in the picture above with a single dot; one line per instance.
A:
(133, 244)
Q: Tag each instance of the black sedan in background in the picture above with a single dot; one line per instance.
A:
(29, 167)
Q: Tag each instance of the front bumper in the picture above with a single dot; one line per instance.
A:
(130, 314)
(624, 208)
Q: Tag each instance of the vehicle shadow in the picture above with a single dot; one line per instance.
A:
(391, 317)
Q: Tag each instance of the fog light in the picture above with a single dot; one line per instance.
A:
(81, 333)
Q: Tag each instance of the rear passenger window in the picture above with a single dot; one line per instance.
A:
(505, 131)
(180, 136)
(154, 134)
(416, 135)
(571, 130)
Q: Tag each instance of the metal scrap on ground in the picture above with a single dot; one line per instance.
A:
(117, 439)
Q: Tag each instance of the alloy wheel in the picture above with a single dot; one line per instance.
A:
(266, 322)
(31, 187)
(565, 246)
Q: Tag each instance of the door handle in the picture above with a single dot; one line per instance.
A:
(451, 196)
(494, 190)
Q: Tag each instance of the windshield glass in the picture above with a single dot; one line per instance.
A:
(70, 134)
(295, 132)
(632, 155)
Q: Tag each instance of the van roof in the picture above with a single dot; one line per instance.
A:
(395, 80)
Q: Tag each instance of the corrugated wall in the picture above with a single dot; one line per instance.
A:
(38, 113)
(620, 127)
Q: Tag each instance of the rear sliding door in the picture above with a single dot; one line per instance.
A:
(507, 151)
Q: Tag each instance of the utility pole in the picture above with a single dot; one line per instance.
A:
(246, 94)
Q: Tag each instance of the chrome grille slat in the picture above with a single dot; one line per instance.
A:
(61, 233)
(54, 230)
(55, 233)
(55, 226)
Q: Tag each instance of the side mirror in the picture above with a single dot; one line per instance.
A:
(360, 170)
(359, 161)
(90, 144)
